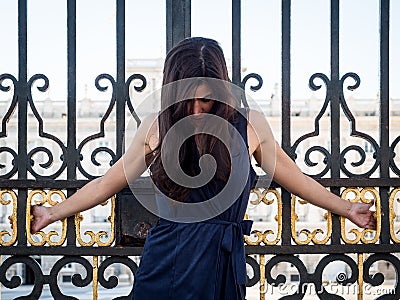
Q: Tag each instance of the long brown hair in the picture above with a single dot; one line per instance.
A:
(196, 58)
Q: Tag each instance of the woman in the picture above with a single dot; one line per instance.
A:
(198, 253)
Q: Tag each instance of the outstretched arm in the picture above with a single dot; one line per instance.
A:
(288, 175)
(291, 178)
(126, 169)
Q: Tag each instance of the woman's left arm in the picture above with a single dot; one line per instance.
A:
(289, 176)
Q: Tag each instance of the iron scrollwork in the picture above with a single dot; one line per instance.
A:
(281, 279)
(256, 271)
(6, 118)
(310, 236)
(45, 238)
(12, 218)
(139, 88)
(111, 105)
(77, 279)
(50, 161)
(320, 149)
(252, 87)
(306, 279)
(95, 238)
(393, 214)
(112, 282)
(101, 133)
(355, 133)
(361, 235)
(378, 279)
(341, 278)
(15, 281)
(392, 163)
(263, 237)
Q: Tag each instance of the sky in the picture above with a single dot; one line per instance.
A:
(145, 38)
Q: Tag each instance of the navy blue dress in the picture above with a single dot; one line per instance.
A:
(203, 260)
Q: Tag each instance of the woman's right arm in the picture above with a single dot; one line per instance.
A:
(127, 169)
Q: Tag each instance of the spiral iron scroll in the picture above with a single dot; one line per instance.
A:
(378, 279)
(137, 89)
(281, 279)
(112, 282)
(392, 163)
(353, 131)
(341, 277)
(76, 278)
(306, 278)
(15, 281)
(43, 134)
(322, 150)
(101, 133)
(6, 118)
(253, 87)
(250, 261)
(102, 122)
(40, 279)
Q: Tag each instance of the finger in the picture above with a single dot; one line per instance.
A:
(372, 224)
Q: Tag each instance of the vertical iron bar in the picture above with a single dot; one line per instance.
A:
(384, 115)
(22, 93)
(72, 158)
(334, 94)
(286, 40)
(120, 83)
(236, 42)
(178, 21)
(120, 94)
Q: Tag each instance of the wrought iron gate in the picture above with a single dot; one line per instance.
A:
(21, 185)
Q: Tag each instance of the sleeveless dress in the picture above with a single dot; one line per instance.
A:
(203, 260)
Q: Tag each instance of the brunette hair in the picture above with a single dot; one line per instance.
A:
(196, 58)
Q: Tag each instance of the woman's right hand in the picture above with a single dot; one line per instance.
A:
(41, 217)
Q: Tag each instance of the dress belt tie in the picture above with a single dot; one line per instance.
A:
(232, 242)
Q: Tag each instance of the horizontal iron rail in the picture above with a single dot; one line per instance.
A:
(136, 251)
(145, 183)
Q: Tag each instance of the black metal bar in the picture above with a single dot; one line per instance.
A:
(236, 42)
(286, 101)
(121, 98)
(334, 94)
(120, 83)
(178, 21)
(22, 117)
(384, 115)
(72, 157)
(286, 44)
(75, 184)
(335, 89)
(276, 249)
(323, 249)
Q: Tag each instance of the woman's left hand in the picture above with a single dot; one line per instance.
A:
(361, 215)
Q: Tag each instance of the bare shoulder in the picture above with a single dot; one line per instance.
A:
(258, 130)
(256, 118)
(254, 123)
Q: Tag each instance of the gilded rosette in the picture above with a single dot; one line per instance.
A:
(262, 237)
(393, 215)
(95, 238)
(357, 195)
(12, 217)
(45, 238)
(311, 236)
